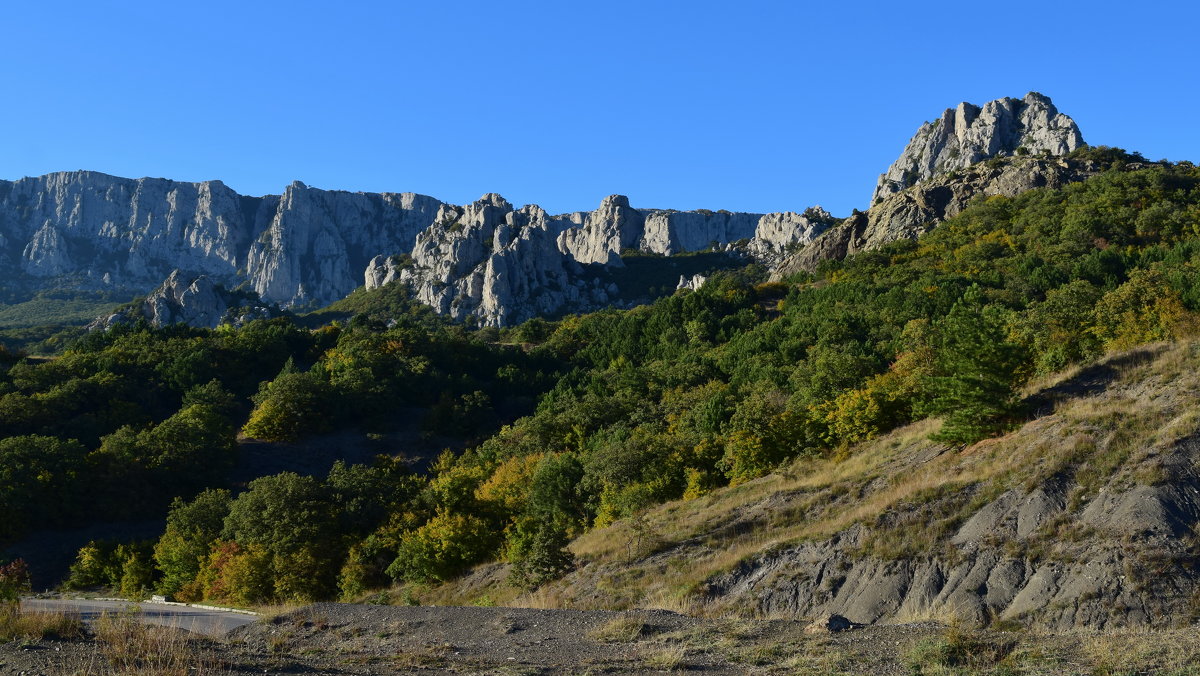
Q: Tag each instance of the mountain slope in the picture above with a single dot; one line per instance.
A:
(1083, 517)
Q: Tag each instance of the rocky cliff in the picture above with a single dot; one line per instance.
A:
(968, 134)
(919, 209)
(195, 300)
(1027, 142)
(310, 247)
(488, 260)
(502, 265)
(97, 231)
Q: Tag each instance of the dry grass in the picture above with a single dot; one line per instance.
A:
(1136, 653)
(623, 629)
(543, 598)
(666, 659)
(906, 493)
(958, 649)
(129, 647)
(272, 613)
(24, 625)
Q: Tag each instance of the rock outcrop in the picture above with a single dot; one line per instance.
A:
(968, 134)
(1104, 580)
(917, 210)
(92, 230)
(310, 247)
(188, 299)
(502, 265)
(778, 234)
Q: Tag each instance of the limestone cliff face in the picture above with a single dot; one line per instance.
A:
(502, 265)
(91, 224)
(96, 231)
(310, 247)
(968, 134)
(316, 243)
(777, 234)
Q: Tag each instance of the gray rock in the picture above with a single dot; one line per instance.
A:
(188, 299)
(692, 283)
(829, 623)
(1122, 574)
(968, 134)
(127, 234)
(778, 234)
(606, 232)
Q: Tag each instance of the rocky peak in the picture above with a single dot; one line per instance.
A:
(917, 210)
(968, 134)
(778, 234)
(614, 201)
(609, 229)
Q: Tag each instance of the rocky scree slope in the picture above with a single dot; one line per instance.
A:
(1086, 517)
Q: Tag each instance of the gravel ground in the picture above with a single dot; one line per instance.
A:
(361, 640)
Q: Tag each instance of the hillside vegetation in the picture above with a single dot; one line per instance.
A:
(690, 400)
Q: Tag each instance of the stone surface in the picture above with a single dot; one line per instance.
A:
(692, 283)
(829, 623)
(777, 235)
(1104, 580)
(968, 134)
(503, 266)
(188, 299)
(309, 247)
(98, 231)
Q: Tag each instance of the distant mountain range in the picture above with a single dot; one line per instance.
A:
(489, 260)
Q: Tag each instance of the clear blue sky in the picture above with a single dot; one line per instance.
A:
(742, 105)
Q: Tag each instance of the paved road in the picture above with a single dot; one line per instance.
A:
(197, 620)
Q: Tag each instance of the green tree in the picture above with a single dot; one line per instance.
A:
(293, 519)
(537, 550)
(977, 372)
(192, 528)
(289, 407)
(442, 548)
(14, 581)
(38, 482)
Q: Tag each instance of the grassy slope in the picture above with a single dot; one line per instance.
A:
(1108, 427)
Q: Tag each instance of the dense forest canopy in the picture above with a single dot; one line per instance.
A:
(573, 424)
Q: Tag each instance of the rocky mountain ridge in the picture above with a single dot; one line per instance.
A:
(968, 134)
(310, 247)
(486, 260)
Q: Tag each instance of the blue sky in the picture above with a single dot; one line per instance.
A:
(748, 105)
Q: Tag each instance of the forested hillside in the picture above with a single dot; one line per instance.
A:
(619, 410)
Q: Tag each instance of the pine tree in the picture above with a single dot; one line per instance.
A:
(974, 386)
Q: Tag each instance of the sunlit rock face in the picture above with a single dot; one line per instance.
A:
(968, 134)
(309, 247)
